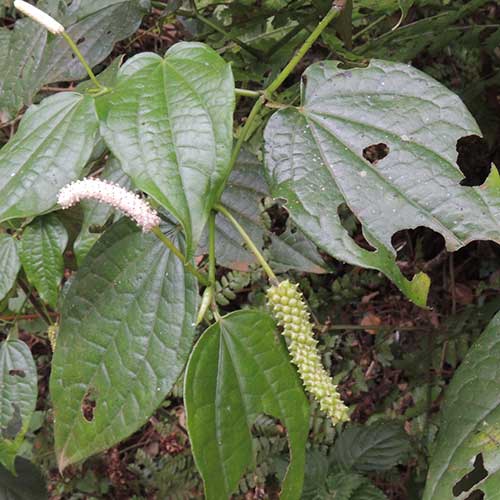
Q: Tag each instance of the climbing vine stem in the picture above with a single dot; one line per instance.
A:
(249, 243)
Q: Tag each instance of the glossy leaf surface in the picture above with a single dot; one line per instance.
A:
(238, 370)
(126, 331)
(32, 58)
(9, 263)
(18, 393)
(327, 152)
(41, 251)
(170, 125)
(470, 422)
(50, 149)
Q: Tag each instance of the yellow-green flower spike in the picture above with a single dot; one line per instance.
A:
(52, 335)
(291, 312)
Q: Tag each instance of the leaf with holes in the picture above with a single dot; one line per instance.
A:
(375, 447)
(32, 58)
(470, 423)
(50, 149)
(170, 125)
(330, 151)
(9, 263)
(18, 393)
(96, 214)
(238, 370)
(27, 483)
(41, 251)
(126, 331)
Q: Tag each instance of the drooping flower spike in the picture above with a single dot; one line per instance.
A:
(291, 312)
(106, 192)
(48, 22)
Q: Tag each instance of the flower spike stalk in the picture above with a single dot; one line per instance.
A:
(291, 312)
(106, 192)
(48, 22)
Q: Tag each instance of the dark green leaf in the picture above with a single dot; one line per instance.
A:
(242, 195)
(238, 370)
(315, 157)
(470, 421)
(26, 484)
(96, 214)
(9, 263)
(41, 251)
(50, 149)
(187, 100)
(126, 331)
(33, 58)
(18, 393)
(350, 486)
(376, 447)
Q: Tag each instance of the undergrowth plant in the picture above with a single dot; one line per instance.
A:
(146, 157)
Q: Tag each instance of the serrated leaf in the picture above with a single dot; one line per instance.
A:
(350, 486)
(41, 250)
(96, 214)
(127, 326)
(34, 58)
(50, 149)
(18, 393)
(187, 100)
(238, 370)
(9, 263)
(376, 447)
(26, 484)
(314, 157)
(470, 421)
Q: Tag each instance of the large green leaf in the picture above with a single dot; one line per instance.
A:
(315, 161)
(376, 447)
(238, 370)
(50, 149)
(41, 251)
(96, 214)
(26, 484)
(470, 422)
(34, 58)
(9, 263)
(18, 393)
(127, 325)
(170, 125)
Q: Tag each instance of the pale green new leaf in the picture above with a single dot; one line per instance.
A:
(314, 159)
(470, 422)
(42, 245)
(9, 263)
(238, 370)
(127, 326)
(18, 393)
(170, 125)
(50, 149)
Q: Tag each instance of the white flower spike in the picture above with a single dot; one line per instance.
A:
(39, 16)
(106, 192)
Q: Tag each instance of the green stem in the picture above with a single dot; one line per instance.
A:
(286, 71)
(85, 64)
(37, 306)
(166, 241)
(250, 244)
(247, 93)
(211, 248)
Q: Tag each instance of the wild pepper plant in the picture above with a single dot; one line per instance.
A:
(129, 315)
